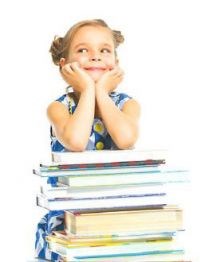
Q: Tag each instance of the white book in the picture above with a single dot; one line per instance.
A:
(123, 201)
(107, 156)
(165, 176)
(83, 192)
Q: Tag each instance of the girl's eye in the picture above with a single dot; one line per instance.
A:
(105, 50)
(82, 50)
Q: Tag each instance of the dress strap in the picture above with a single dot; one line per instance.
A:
(70, 104)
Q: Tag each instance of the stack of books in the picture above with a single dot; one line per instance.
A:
(118, 205)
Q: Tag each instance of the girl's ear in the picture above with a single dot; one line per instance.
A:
(62, 62)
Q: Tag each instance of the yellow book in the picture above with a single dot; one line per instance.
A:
(102, 223)
(69, 241)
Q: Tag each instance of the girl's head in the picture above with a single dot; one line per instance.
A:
(91, 43)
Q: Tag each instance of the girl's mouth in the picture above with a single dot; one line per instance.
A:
(94, 68)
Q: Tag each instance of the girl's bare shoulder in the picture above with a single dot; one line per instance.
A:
(56, 109)
(132, 106)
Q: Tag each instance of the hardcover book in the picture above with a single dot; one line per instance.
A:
(84, 223)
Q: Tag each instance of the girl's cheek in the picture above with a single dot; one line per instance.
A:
(111, 64)
(82, 60)
(79, 58)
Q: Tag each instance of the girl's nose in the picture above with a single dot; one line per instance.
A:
(95, 56)
(96, 59)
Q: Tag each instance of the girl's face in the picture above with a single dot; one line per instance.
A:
(93, 48)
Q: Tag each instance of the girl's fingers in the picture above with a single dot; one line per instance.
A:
(113, 71)
(67, 69)
(75, 67)
(117, 72)
(120, 74)
(78, 70)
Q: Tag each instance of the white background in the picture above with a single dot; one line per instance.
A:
(161, 60)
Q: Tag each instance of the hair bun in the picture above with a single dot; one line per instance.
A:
(118, 37)
(56, 49)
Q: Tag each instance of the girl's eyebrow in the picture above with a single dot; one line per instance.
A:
(106, 44)
(87, 44)
(80, 44)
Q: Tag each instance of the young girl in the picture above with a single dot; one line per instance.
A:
(91, 115)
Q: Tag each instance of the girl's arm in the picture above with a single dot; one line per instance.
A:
(121, 125)
(73, 131)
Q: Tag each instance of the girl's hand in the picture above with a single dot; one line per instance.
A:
(110, 80)
(76, 77)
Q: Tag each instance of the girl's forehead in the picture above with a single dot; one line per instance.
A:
(91, 33)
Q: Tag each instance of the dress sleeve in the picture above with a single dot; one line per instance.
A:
(119, 99)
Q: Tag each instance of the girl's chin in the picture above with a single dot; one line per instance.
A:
(95, 75)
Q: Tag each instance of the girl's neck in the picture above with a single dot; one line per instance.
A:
(97, 114)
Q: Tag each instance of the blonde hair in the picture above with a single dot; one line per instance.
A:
(61, 45)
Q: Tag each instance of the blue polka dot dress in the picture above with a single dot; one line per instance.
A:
(99, 138)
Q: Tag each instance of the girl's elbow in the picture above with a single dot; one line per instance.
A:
(76, 148)
(125, 145)
(127, 142)
(75, 145)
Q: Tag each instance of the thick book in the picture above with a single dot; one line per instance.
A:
(107, 156)
(90, 223)
(101, 202)
(163, 176)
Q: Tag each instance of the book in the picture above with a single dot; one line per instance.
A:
(60, 243)
(67, 238)
(126, 249)
(172, 257)
(62, 191)
(73, 170)
(97, 223)
(101, 202)
(163, 176)
(107, 156)
(117, 205)
(104, 240)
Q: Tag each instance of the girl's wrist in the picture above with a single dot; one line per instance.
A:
(82, 88)
(104, 88)
(99, 91)
(90, 89)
